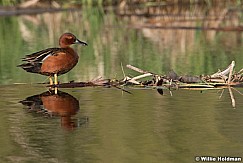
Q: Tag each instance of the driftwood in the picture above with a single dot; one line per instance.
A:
(219, 80)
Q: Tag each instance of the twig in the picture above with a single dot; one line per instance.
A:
(145, 74)
(96, 79)
(170, 93)
(221, 94)
(141, 76)
(123, 90)
(123, 70)
(137, 69)
(225, 72)
(133, 80)
(29, 3)
(232, 97)
(241, 71)
(237, 91)
(231, 71)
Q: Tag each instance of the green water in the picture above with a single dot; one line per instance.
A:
(143, 127)
(109, 125)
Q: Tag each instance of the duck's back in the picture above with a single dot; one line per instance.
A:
(50, 61)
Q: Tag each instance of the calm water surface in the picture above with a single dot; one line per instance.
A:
(109, 126)
(104, 124)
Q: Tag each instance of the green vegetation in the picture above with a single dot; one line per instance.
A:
(114, 39)
(9, 2)
(133, 3)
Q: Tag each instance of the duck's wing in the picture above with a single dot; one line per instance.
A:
(33, 62)
(40, 56)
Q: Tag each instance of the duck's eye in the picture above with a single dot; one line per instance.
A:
(69, 37)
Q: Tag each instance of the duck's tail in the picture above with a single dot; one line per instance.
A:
(31, 67)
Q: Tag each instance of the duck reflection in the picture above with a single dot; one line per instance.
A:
(59, 104)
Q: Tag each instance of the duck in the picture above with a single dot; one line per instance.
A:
(53, 62)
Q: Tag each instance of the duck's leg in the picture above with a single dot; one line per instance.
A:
(55, 82)
(55, 79)
(55, 89)
(51, 81)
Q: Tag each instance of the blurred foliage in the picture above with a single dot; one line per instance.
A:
(114, 39)
(9, 2)
(123, 2)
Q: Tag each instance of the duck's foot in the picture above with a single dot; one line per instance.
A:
(53, 89)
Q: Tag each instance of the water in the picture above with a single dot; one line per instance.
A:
(105, 124)
(115, 127)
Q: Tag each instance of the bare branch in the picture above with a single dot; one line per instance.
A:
(225, 72)
(137, 69)
(232, 97)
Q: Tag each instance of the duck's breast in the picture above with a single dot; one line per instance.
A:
(60, 63)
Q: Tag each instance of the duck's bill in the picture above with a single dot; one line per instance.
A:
(80, 42)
